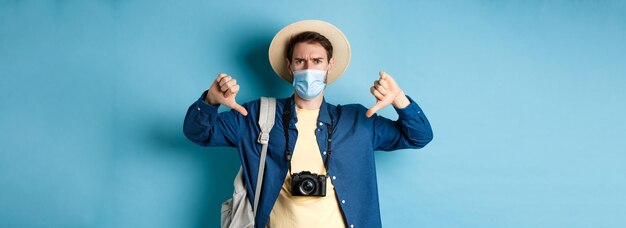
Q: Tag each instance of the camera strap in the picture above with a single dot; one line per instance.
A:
(287, 122)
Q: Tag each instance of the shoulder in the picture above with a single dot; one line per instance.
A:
(350, 108)
(254, 105)
(354, 112)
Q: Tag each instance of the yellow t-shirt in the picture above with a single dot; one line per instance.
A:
(306, 211)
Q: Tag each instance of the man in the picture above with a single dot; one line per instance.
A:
(310, 137)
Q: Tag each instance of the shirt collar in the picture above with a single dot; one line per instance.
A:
(324, 115)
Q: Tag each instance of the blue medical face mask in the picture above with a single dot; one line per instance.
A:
(309, 83)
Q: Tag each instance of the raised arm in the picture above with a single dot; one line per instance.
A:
(411, 130)
(204, 126)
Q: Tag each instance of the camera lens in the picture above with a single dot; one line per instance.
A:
(307, 186)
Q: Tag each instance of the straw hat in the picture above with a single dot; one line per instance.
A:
(341, 47)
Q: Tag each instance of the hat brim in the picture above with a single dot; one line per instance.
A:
(341, 47)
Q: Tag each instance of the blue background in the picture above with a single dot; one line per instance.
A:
(526, 99)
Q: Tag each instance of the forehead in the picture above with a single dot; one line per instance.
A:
(304, 49)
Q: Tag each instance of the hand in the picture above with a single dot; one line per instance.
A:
(386, 91)
(223, 91)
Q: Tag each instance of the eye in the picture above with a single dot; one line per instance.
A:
(299, 61)
(317, 61)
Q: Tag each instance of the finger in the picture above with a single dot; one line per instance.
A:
(383, 83)
(380, 89)
(383, 74)
(227, 85)
(232, 91)
(370, 112)
(231, 83)
(224, 88)
(387, 79)
(380, 85)
(376, 94)
(218, 79)
(225, 80)
(239, 108)
(220, 76)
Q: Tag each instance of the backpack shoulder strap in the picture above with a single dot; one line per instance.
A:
(266, 118)
(266, 122)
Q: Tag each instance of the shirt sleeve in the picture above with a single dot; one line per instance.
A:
(205, 127)
(411, 130)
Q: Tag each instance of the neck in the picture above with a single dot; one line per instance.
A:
(312, 104)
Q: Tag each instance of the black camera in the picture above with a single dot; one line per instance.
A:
(306, 183)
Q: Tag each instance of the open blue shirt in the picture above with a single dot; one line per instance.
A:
(352, 168)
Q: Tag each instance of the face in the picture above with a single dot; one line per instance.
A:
(309, 56)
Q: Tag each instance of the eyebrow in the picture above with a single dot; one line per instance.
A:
(319, 58)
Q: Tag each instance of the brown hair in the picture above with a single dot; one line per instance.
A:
(309, 37)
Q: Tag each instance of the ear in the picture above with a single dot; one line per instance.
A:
(331, 63)
(288, 65)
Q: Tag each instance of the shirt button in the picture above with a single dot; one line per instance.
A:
(343, 201)
(334, 177)
(321, 123)
(419, 111)
(351, 225)
(324, 152)
(198, 108)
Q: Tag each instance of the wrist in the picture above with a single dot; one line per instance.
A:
(401, 101)
(208, 99)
